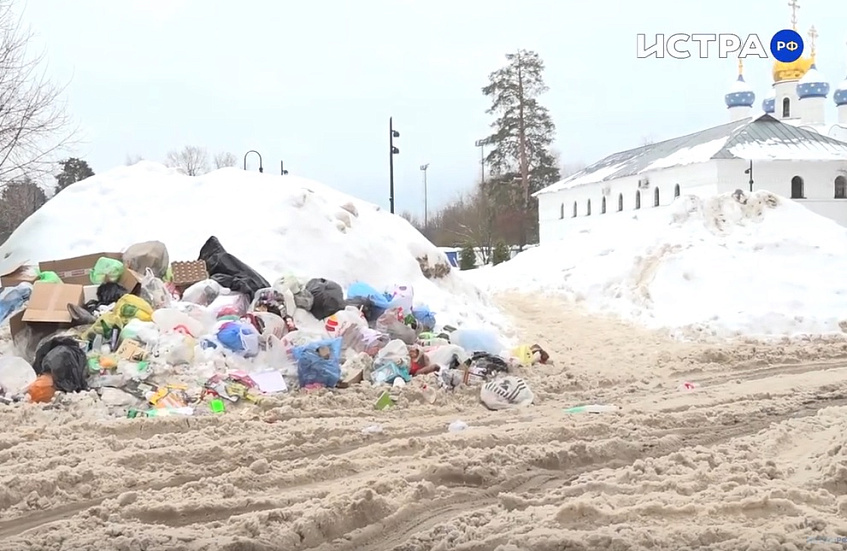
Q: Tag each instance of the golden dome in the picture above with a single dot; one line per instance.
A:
(793, 70)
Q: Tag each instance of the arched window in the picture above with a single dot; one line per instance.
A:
(638, 199)
(588, 208)
(603, 206)
(574, 209)
(786, 108)
(841, 187)
(797, 188)
(562, 212)
(620, 202)
(676, 191)
(656, 197)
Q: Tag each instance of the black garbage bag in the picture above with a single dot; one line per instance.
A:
(108, 293)
(328, 297)
(63, 358)
(229, 271)
(367, 307)
(489, 363)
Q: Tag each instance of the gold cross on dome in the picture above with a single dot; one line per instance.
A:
(813, 34)
(794, 7)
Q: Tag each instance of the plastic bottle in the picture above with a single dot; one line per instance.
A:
(14, 299)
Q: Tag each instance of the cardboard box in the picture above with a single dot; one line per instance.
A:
(77, 270)
(18, 273)
(89, 292)
(49, 302)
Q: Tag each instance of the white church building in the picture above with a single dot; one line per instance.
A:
(790, 150)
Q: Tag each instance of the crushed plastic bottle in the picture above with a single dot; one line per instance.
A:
(14, 299)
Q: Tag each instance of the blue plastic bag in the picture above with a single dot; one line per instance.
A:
(477, 340)
(425, 316)
(239, 337)
(363, 290)
(312, 368)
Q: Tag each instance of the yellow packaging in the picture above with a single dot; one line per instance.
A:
(523, 354)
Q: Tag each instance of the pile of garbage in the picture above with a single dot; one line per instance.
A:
(158, 338)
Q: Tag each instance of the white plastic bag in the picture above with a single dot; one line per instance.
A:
(144, 331)
(175, 349)
(235, 304)
(153, 290)
(394, 352)
(202, 292)
(171, 320)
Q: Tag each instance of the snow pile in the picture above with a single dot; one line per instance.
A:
(275, 224)
(757, 265)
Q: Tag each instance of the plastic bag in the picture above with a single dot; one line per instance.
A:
(318, 363)
(239, 337)
(363, 290)
(269, 300)
(106, 269)
(150, 255)
(272, 325)
(338, 323)
(523, 354)
(144, 331)
(234, 305)
(403, 297)
(131, 306)
(424, 316)
(49, 277)
(477, 340)
(15, 374)
(175, 349)
(153, 290)
(508, 392)
(41, 390)
(230, 271)
(395, 328)
(63, 358)
(388, 372)
(202, 292)
(171, 320)
(328, 297)
(394, 352)
(449, 356)
(110, 293)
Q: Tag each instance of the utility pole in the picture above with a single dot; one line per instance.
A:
(426, 205)
(392, 151)
(481, 145)
(750, 172)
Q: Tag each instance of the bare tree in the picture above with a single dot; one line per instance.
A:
(225, 159)
(648, 140)
(18, 201)
(133, 159)
(34, 127)
(191, 160)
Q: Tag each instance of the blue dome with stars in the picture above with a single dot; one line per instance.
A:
(812, 85)
(769, 103)
(740, 94)
(840, 95)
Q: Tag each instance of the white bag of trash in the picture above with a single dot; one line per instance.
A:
(505, 393)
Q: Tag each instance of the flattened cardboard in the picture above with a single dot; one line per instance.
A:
(49, 302)
(132, 351)
(354, 378)
(77, 270)
(18, 273)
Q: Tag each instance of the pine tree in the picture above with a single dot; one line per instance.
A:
(501, 253)
(521, 161)
(467, 257)
(73, 170)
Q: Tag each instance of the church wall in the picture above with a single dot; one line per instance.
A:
(775, 176)
(555, 210)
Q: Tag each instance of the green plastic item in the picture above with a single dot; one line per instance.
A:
(169, 275)
(592, 408)
(217, 405)
(384, 401)
(49, 277)
(107, 269)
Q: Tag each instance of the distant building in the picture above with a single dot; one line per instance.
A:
(791, 149)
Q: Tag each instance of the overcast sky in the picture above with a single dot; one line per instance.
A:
(314, 82)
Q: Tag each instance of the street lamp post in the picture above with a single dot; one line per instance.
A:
(426, 201)
(750, 172)
(481, 145)
(392, 151)
(260, 159)
(282, 170)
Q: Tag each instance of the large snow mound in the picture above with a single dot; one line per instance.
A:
(730, 265)
(276, 224)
